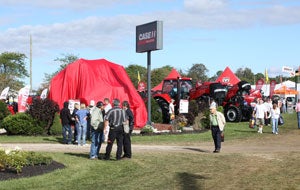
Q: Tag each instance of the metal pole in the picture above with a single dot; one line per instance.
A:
(30, 65)
(149, 85)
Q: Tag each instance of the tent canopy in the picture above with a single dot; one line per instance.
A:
(284, 90)
(228, 77)
(172, 75)
(95, 80)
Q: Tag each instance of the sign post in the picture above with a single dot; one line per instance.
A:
(148, 38)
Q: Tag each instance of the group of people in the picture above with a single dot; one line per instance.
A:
(104, 122)
(266, 113)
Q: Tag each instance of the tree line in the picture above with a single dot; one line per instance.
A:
(13, 71)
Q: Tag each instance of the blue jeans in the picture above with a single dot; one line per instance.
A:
(66, 130)
(298, 117)
(81, 133)
(274, 125)
(96, 138)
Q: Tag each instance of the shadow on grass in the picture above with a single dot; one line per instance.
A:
(197, 149)
(57, 139)
(243, 131)
(82, 155)
(191, 181)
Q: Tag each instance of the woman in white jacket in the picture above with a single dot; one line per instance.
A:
(275, 113)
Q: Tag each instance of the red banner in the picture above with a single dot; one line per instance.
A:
(141, 86)
(259, 84)
(22, 98)
(272, 87)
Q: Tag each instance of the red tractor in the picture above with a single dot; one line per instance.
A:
(202, 93)
(206, 91)
(170, 91)
(237, 104)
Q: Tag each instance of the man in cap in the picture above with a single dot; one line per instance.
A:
(217, 124)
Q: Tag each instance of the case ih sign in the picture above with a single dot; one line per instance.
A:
(149, 37)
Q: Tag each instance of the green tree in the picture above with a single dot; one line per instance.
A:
(198, 72)
(64, 61)
(215, 76)
(259, 76)
(12, 70)
(158, 74)
(133, 70)
(245, 74)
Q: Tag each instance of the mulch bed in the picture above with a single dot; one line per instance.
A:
(29, 171)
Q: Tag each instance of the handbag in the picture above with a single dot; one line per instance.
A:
(280, 120)
(125, 124)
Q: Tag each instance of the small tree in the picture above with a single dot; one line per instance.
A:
(3, 111)
(44, 111)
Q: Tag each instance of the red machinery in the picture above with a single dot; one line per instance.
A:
(170, 91)
(237, 104)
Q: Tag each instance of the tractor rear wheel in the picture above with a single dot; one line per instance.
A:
(164, 106)
(233, 114)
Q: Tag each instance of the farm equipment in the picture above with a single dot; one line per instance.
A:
(206, 91)
(170, 91)
(237, 104)
(202, 93)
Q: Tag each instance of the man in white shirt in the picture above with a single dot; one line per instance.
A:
(260, 113)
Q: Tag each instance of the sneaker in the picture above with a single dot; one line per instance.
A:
(276, 133)
(216, 151)
(94, 158)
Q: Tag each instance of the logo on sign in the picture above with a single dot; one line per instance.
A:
(226, 79)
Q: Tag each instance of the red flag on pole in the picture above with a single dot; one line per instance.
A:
(272, 87)
(259, 84)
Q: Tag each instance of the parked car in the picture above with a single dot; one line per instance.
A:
(291, 102)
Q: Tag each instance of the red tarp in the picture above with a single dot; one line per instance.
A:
(172, 75)
(228, 77)
(95, 80)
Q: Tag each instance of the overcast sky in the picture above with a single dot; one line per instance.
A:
(258, 34)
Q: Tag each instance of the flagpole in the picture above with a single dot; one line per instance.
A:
(30, 64)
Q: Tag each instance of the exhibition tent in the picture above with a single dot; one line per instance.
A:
(284, 90)
(228, 77)
(172, 75)
(87, 80)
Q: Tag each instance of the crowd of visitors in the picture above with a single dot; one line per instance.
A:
(268, 113)
(99, 122)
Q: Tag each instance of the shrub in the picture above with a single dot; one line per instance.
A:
(16, 159)
(56, 128)
(21, 124)
(147, 129)
(156, 113)
(43, 111)
(3, 111)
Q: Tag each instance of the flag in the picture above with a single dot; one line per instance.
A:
(22, 98)
(44, 93)
(259, 84)
(4, 93)
(266, 76)
(139, 77)
(272, 87)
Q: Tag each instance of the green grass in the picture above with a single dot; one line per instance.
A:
(169, 170)
(233, 131)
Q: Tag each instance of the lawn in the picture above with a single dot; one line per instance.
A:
(171, 170)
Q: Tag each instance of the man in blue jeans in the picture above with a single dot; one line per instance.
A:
(66, 119)
(298, 112)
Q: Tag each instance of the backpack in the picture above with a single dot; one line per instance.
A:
(96, 117)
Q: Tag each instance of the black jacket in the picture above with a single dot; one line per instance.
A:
(130, 118)
(65, 115)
